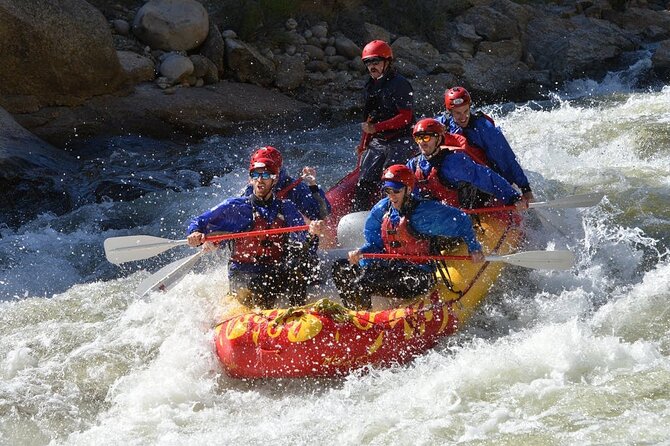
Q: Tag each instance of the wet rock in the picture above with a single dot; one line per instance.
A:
(661, 60)
(179, 25)
(248, 65)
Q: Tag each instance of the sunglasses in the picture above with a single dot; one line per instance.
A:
(372, 61)
(262, 175)
(390, 190)
(424, 137)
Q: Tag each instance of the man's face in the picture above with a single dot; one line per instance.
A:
(262, 182)
(461, 115)
(376, 66)
(428, 143)
(396, 196)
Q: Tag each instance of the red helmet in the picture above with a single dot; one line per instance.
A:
(264, 163)
(377, 48)
(397, 176)
(429, 125)
(456, 96)
(268, 152)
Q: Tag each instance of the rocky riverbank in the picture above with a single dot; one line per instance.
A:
(174, 69)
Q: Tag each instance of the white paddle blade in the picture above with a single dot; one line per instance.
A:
(574, 201)
(350, 230)
(166, 277)
(137, 247)
(557, 260)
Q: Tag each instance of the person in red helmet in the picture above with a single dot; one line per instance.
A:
(400, 223)
(303, 192)
(481, 131)
(387, 122)
(445, 170)
(262, 269)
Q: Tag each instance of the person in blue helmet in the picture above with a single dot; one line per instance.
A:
(388, 115)
(446, 170)
(265, 267)
(481, 132)
(402, 224)
(309, 198)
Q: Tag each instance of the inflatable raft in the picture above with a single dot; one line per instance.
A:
(324, 339)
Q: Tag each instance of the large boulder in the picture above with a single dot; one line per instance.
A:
(54, 53)
(172, 25)
(34, 176)
(248, 65)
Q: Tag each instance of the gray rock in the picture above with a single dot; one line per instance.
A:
(291, 24)
(319, 31)
(661, 60)
(290, 72)
(375, 32)
(248, 65)
(214, 48)
(314, 52)
(55, 53)
(347, 48)
(176, 67)
(137, 68)
(172, 24)
(121, 27)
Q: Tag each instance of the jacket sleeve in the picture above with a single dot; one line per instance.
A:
(499, 153)
(458, 167)
(373, 228)
(233, 215)
(436, 219)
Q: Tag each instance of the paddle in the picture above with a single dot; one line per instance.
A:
(574, 201)
(139, 247)
(558, 260)
(166, 277)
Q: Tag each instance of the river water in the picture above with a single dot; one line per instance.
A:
(552, 358)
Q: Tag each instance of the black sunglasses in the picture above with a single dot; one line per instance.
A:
(373, 60)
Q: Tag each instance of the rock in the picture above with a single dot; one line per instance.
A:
(55, 53)
(172, 25)
(314, 52)
(661, 60)
(320, 31)
(214, 49)
(290, 72)
(347, 48)
(137, 68)
(291, 24)
(490, 24)
(248, 65)
(121, 27)
(205, 69)
(34, 177)
(416, 57)
(375, 32)
(176, 68)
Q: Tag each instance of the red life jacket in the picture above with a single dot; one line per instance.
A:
(402, 239)
(264, 248)
(431, 187)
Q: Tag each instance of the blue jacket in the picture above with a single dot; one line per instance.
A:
(429, 217)
(484, 134)
(236, 215)
(301, 195)
(456, 167)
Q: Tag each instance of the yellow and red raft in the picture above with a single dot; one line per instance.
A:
(324, 339)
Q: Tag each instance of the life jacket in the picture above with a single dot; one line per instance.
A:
(402, 239)
(264, 248)
(459, 143)
(431, 187)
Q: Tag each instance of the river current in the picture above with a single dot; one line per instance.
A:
(552, 358)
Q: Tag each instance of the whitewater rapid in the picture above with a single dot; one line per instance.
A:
(572, 357)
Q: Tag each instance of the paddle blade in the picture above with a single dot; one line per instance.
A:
(166, 277)
(350, 230)
(574, 201)
(558, 260)
(137, 247)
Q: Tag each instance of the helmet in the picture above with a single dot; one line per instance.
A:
(397, 176)
(268, 152)
(264, 163)
(429, 125)
(456, 96)
(377, 48)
